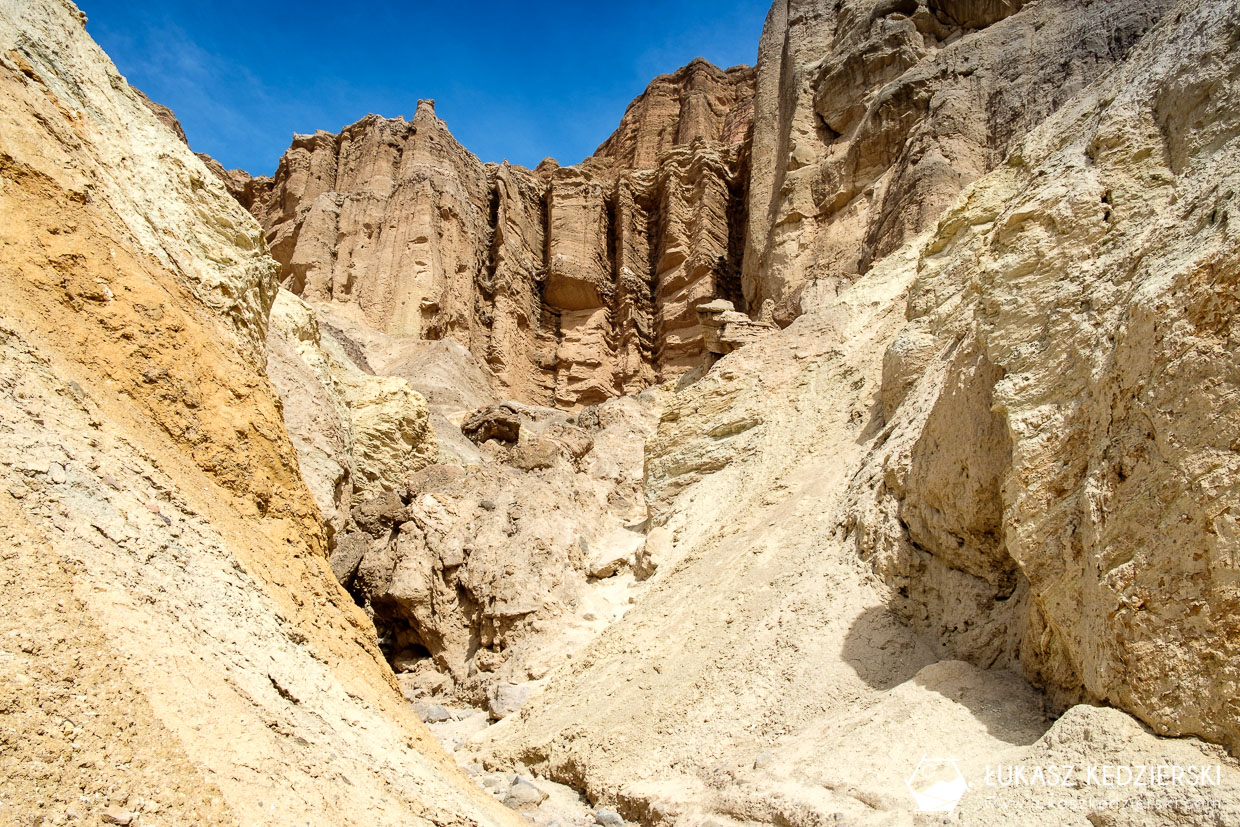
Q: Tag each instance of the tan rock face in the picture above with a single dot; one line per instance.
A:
(726, 330)
(988, 474)
(872, 116)
(1074, 428)
(573, 285)
(697, 102)
(1022, 422)
(479, 572)
(356, 434)
(577, 284)
(176, 649)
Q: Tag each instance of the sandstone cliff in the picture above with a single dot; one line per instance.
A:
(175, 648)
(572, 284)
(1006, 449)
(946, 465)
(1065, 449)
(577, 284)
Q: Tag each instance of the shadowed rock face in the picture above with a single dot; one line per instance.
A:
(572, 284)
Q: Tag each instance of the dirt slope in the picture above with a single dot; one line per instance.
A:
(936, 491)
(176, 647)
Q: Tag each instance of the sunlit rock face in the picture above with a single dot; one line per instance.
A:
(870, 118)
(572, 284)
(1006, 447)
(176, 649)
(948, 466)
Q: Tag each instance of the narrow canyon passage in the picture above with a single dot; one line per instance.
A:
(850, 439)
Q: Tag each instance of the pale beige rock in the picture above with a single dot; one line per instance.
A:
(871, 116)
(164, 115)
(391, 437)
(1074, 428)
(484, 569)
(1021, 422)
(725, 330)
(356, 434)
(988, 473)
(777, 623)
(314, 409)
(451, 380)
(175, 645)
(1097, 742)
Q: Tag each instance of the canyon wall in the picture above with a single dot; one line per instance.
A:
(572, 284)
(173, 646)
(357, 435)
(870, 117)
(947, 290)
(1004, 456)
(1060, 464)
(577, 284)
(484, 559)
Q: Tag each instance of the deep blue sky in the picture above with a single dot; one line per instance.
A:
(515, 80)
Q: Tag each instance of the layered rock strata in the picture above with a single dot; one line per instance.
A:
(726, 330)
(476, 549)
(577, 284)
(1003, 457)
(1058, 482)
(572, 284)
(989, 472)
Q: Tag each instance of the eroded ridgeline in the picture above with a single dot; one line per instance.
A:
(574, 284)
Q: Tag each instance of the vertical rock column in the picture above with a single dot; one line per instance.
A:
(693, 251)
(580, 286)
(519, 351)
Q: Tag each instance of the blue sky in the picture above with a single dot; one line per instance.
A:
(513, 80)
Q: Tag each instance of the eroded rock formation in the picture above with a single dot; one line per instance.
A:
(572, 284)
(476, 575)
(1068, 452)
(173, 647)
(870, 117)
(950, 457)
(357, 435)
(725, 329)
(1021, 421)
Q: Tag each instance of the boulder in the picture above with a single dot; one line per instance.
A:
(507, 698)
(498, 422)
